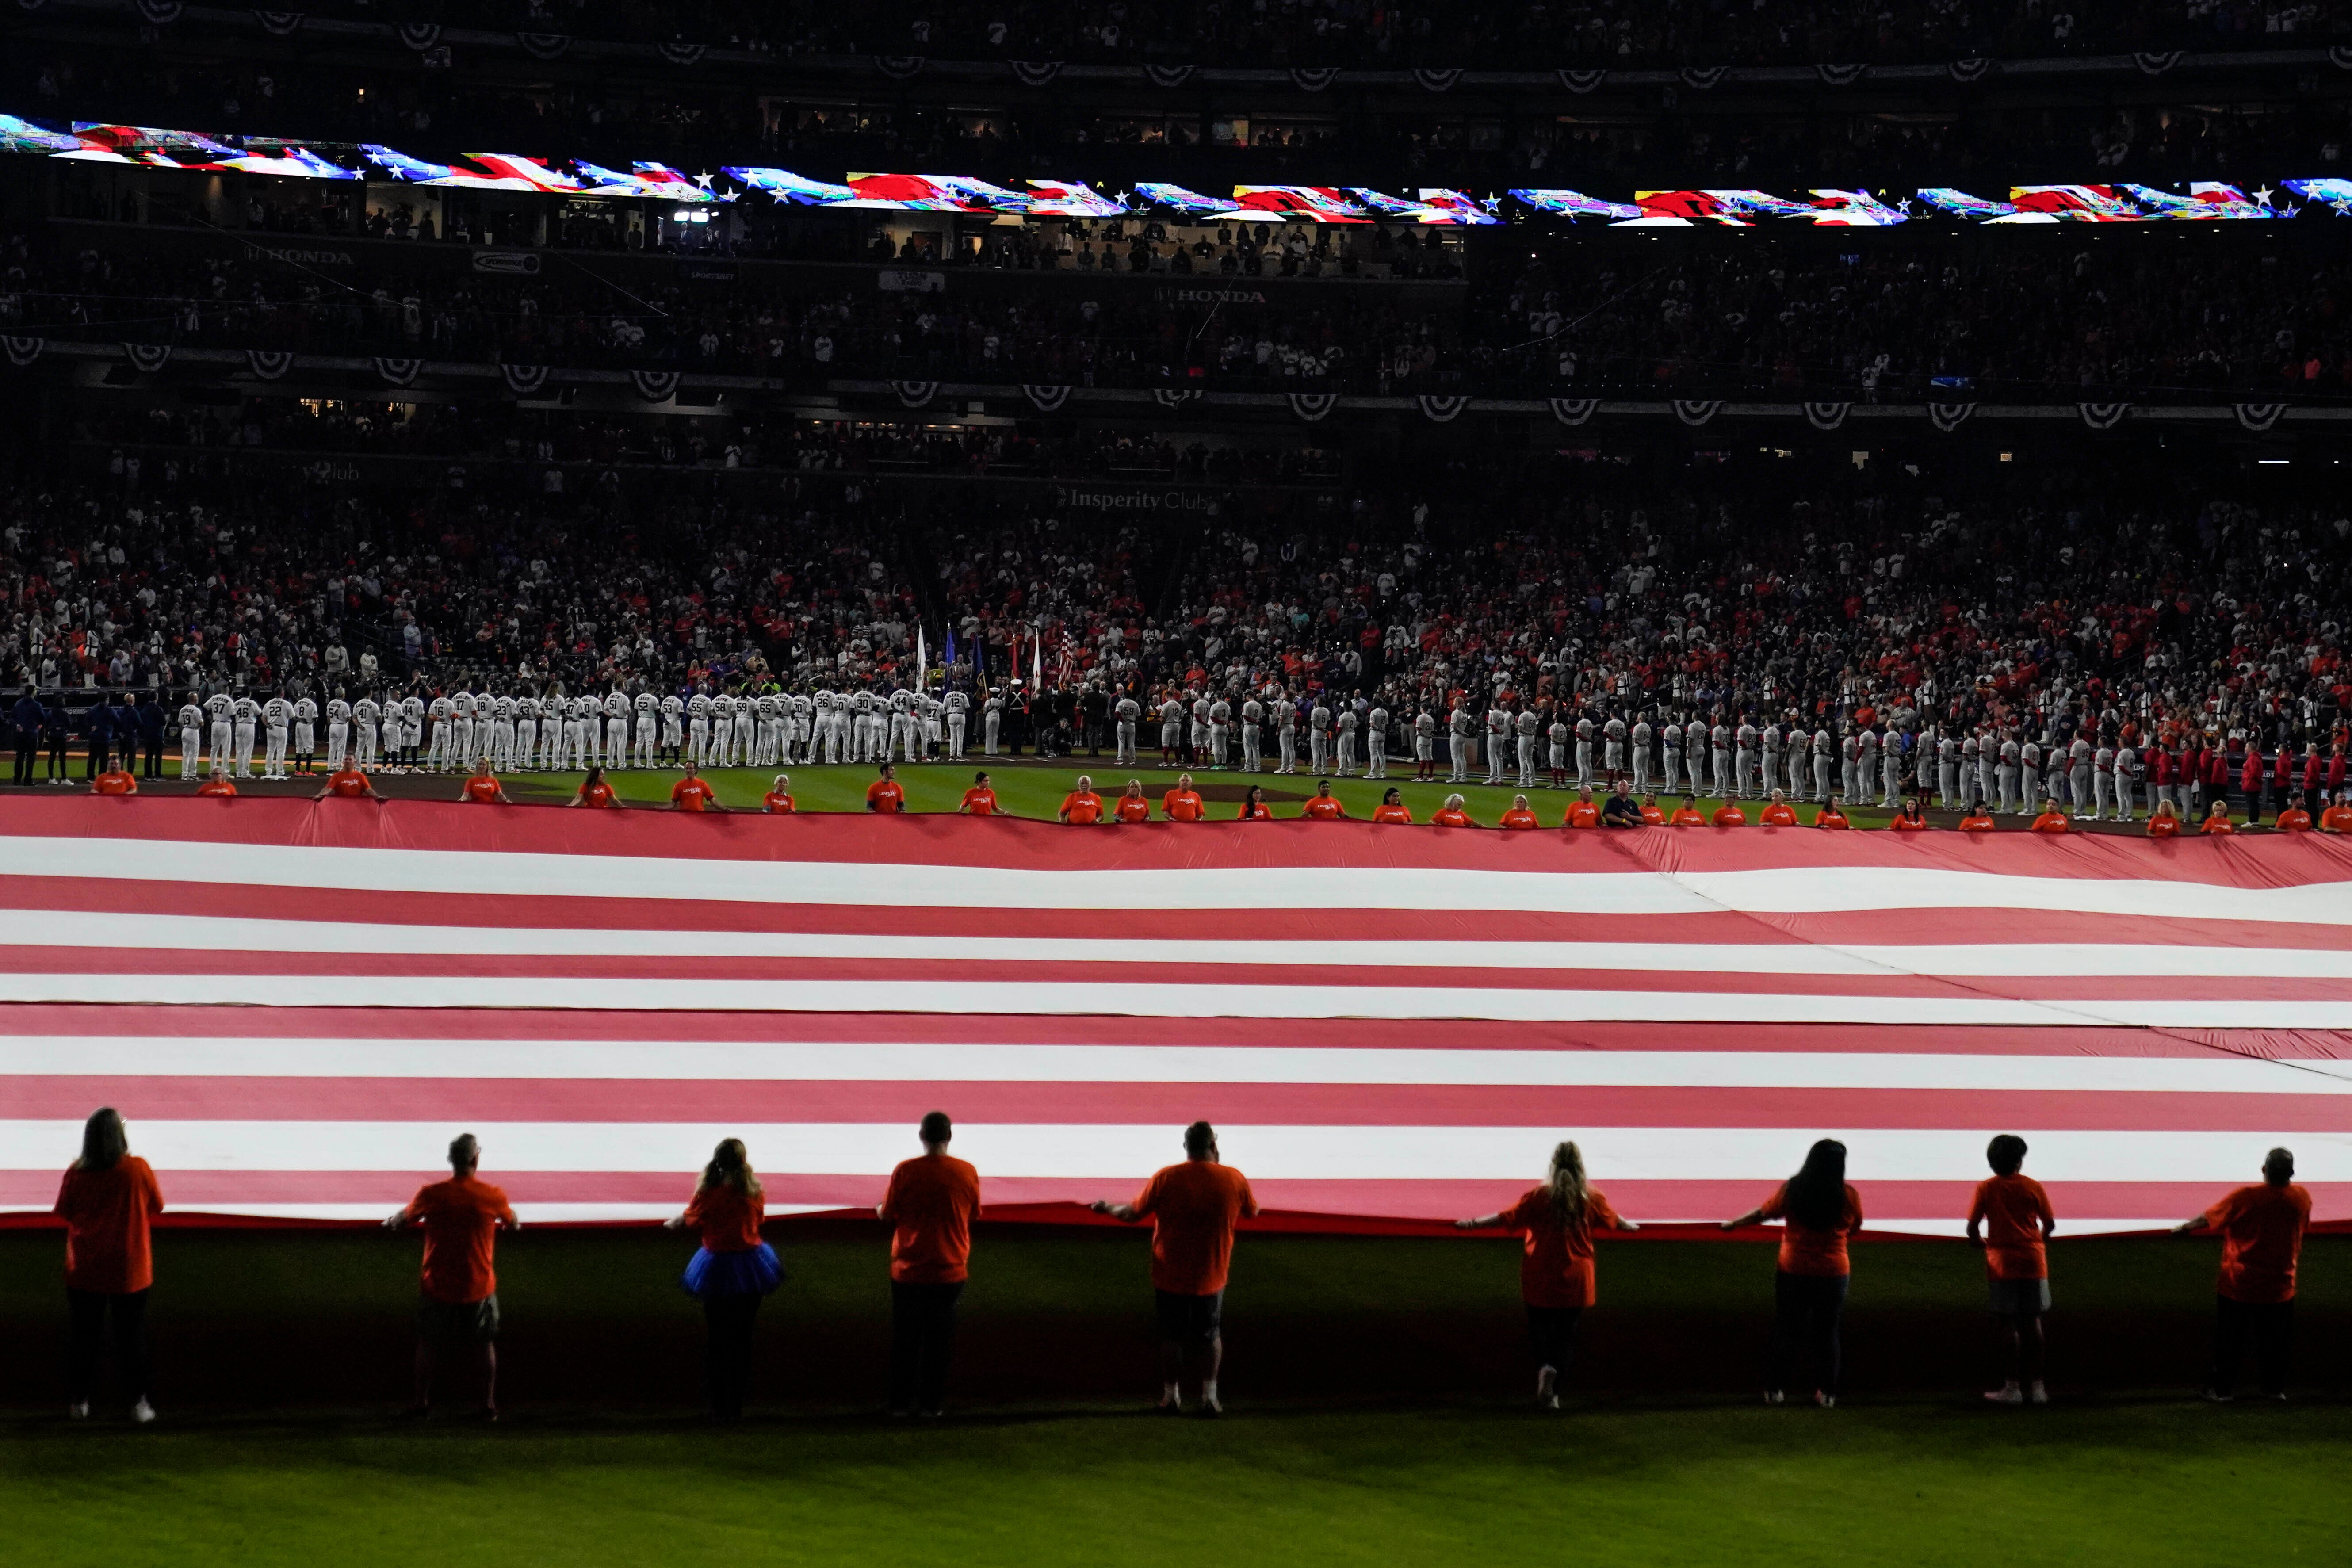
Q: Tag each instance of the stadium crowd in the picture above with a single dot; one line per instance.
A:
(1952, 648)
(2002, 317)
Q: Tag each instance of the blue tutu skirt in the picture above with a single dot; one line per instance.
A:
(755, 1272)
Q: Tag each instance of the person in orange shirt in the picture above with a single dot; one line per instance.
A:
(2338, 818)
(1519, 819)
(2216, 819)
(1393, 808)
(109, 1199)
(692, 794)
(2052, 819)
(1082, 807)
(1193, 1208)
(347, 781)
(1320, 807)
(1183, 804)
(1556, 1283)
(115, 781)
(731, 1273)
(2017, 1219)
(1819, 1209)
(2293, 819)
(460, 1302)
(483, 788)
(1729, 815)
(1977, 820)
(1254, 807)
(1131, 807)
(1833, 815)
(1778, 813)
(980, 800)
(1583, 811)
(2163, 822)
(779, 801)
(932, 1200)
(2262, 1230)
(1912, 818)
(593, 793)
(1688, 814)
(885, 797)
(1651, 816)
(1451, 814)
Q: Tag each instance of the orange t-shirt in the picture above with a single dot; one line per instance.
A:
(1582, 814)
(1258, 813)
(691, 794)
(1450, 816)
(1555, 1267)
(1519, 818)
(485, 790)
(1807, 1251)
(728, 1220)
(1653, 817)
(1778, 815)
(1182, 805)
(1686, 817)
(107, 1214)
(2164, 827)
(932, 1199)
(1082, 806)
(2015, 1212)
(885, 796)
(1132, 808)
(1387, 813)
(978, 801)
(114, 781)
(2262, 1231)
(2294, 819)
(1833, 820)
(1728, 816)
(778, 802)
(1978, 824)
(1911, 825)
(2336, 819)
(2216, 825)
(217, 785)
(2050, 822)
(1194, 1206)
(1323, 808)
(460, 1217)
(598, 795)
(348, 782)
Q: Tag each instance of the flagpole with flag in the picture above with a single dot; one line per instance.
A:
(1038, 672)
(922, 662)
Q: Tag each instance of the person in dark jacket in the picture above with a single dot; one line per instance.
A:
(151, 732)
(27, 717)
(98, 726)
(54, 735)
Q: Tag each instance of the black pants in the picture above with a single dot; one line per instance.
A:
(90, 1310)
(922, 1334)
(154, 768)
(727, 1350)
(1806, 1309)
(2272, 1325)
(1551, 1334)
(27, 750)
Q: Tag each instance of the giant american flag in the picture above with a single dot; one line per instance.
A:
(297, 1003)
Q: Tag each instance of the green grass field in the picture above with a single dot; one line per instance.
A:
(2153, 1483)
(1376, 1415)
(1026, 787)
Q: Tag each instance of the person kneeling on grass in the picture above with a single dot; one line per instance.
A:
(732, 1272)
(459, 1302)
(2262, 1230)
(2016, 1217)
(1555, 1282)
(1809, 1292)
(1193, 1208)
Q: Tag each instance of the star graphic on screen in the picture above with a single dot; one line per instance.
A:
(703, 180)
(2262, 194)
